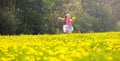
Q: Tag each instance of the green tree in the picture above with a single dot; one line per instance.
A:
(8, 22)
(8, 18)
(102, 11)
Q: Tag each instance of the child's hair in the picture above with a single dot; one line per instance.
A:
(66, 16)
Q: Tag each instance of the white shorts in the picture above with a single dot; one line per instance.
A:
(67, 28)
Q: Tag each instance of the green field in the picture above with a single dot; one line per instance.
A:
(61, 47)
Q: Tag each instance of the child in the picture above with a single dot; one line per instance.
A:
(67, 28)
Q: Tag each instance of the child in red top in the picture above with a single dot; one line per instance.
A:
(68, 27)
(68, 20)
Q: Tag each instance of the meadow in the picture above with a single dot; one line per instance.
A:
(61, 47)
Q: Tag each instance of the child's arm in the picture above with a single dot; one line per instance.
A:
(61, 18)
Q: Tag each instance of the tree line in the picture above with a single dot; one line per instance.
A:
(40, 16)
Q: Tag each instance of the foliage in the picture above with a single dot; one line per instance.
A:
(8, 22)
(40, 16)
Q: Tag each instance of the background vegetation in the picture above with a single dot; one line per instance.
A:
(40, 16)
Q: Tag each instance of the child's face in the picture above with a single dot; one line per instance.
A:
(68, 15)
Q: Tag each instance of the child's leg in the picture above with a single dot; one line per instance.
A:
(70, 29)
(64, 28)
(67, 31)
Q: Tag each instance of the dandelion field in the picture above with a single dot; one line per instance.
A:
(61, 47)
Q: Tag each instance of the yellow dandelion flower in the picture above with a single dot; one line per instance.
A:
(109, 59)
(61, 56)
(45, 58)
(30, 58)
(38, 58)
(53, 59)
(40, 53)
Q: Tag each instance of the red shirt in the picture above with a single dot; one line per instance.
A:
(68, 22)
